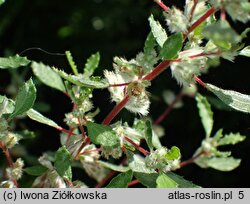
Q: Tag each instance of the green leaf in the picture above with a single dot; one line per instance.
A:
(121, 181)
(163, 181)
(235, 100)
(71, 62)
(13, 62)
(91, 65)
(232, 138)
(222, 34)
(34, 115)
(148, 180)
(171, 47)
(223, 163)
(158, 32)
(113, 167)
(173, 153)
(245, 51)
(48, 76)
(63, 163)
(244, 33)
(7, 106)
(182, 183)
(206, 113)
(102, 134)
(36, 170)
(25, 99)
(81, 80)
(2, 1)
(149, 44)
(149, 135)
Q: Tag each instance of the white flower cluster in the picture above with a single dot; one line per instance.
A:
(16, 171)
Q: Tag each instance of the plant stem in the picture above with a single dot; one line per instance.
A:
(161, 4)
(66, 131)
(190, 161)
(115, 111)
(140, 149)
(193, 9)
(133, 182)
(123, 84)
(199, 81)
(168, 109)
(200, 20)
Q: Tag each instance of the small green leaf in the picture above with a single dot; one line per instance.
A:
(7, 106)
(163, 181)
(173, 153)
(171, 47)
(71, 62)
(235, 100)
(245, 51)
(34, 115)
(232, 138)
(158, 32)
(36, 170)
(182, 183)
(223, 163)
(113, 166)
(244, 33)
(2, 1)
(25, 99)
(81, 80)
(63, 163)
(148, 180)
(222, 34)
(149, 135)
(47, 76)
(121, 181)
(149, 44)
(206, 114)
(13, 62)
(102, 134)
(91, 65)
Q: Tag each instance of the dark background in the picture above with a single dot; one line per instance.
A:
(117, 28)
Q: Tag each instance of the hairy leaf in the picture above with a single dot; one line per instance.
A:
(121, 181)
(34, 115)
(36, 170)
(71, 62)
(182, 183)
(113, 167)
(13, 62)
(158, 32)
(25, 99)
(148, 180)
(206, 114)
(103, 135)
(63, 163)
(149, 44)
(235, 100)
(149, 135)
(232, 138)
(48, 76)
(91, 65)
(81, 80)
(7, 106)
(245, 51)
(163, 181)
(223, 163)
(171, 47)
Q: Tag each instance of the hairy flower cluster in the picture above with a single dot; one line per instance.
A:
(10, 139)
(199, 10)
(16, 171)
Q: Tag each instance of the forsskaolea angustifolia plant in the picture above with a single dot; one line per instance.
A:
(194, 39)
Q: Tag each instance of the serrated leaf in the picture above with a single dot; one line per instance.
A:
(81, 80)
(121, 181)
(63, 163)
(158, 32)
(206, 114)
(7, 106)
(148, 180)
(91, 65)
(171, 47)
(13, 62)
(245, 51)
(173, 153)
(182, 183)
(47, 76)
(235, 100)
(222, 34)
(36, 170)
(149, 135)
(149, 44)
(71, 62)
(34, 115)
(223, 163)
(163, 181)
(25, 99)
(232, 138)
(113, 166)
(102, 134)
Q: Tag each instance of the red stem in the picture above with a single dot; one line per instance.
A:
(115, 111)
(162, 5)
(200, 20)
(193, 9)
(190, 161)
(66, 131)
(168, 109)
(199, 81)
(123, 84)
(143, 151)
(133, 182)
